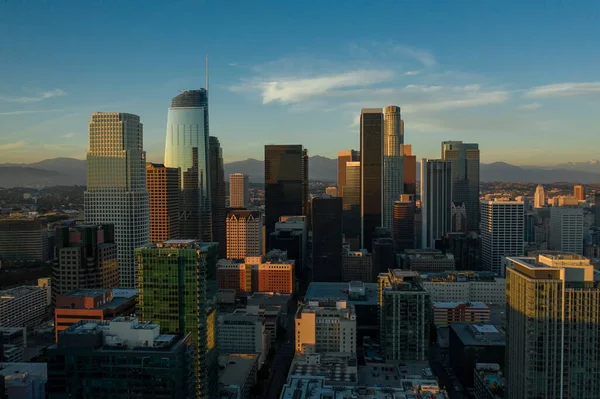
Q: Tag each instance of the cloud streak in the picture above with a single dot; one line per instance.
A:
(23, 112)
(12, 146)
(529, 107)
(564, 90)
(423, 56)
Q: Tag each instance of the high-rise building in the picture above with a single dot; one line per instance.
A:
(502, 225)
(393, 172)
(187, 148)
(85, 257)
(351, 204)
(23, 306)
(327, 239)
(30, 234)
(116, 185)
(332, 191)
(343, 158)
(403, 226)
(291, 236)
(404, 316)
(464, 158)
(286, 183)
(238, 190)
(459, 217)
(384, 258)
(427, 260)
(436, 201)
(597, 209)
(172, 293)
(539, 198)
(357, 266)
(579, 192)
(371, 165)
(409, 164)
(162, 184)
(552, 319)
(566, 229)
(323, 327)
(122, 358)
(217, 189)
(244, 233)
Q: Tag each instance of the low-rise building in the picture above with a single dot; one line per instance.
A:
(427, 260)
(489, 381)
(338, 368)
(465, 286)
(24, 380)
(243, 331)
(23, 306)
(446, 313)
(237, 375)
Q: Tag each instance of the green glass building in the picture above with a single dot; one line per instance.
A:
(172, 293)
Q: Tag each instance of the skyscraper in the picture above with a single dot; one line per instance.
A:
(436, 202)
(286, 183)
(172, 293)
(244, 233)
(343, 158)
(579, 192)
(393, 172)
(409, 165)
(351, 205)
(371, 165)
(327, 239)
(186, 148)
(539, 200)
(597, 209)
(217, 194)
(162, 184)
(552, 318)
(116, 185)
(238, 190)
(502, 228)
(464, 158)
(566, 229)
(403, 231)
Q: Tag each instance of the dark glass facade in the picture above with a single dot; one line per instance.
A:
(217, 188)
(404, 226)
(286, 183)
(327, 239)
(371, 163)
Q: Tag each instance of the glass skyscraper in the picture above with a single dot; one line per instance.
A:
(393, 171)
(186, 147)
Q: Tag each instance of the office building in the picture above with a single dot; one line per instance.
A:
(539, 198)
(393, 172)
(270, 273)
(426, 260)
(120, 358)
(566, 229)
(187, 148)
(85, 257)
(217, 194)
(286, 183)
(327, 239)
(172, 293)
(343, 158)
(243, 332)
(436, 200)
(31, 236)
(410, 169)
(291, 236)
(356, 266)
(459, 217)
(351, 204)
(323, 327)
(464, 158)
(237, 375)
(383, 252)
(337, 368)
(23, 306)
(162, 184)
(552, 322)
(244, 233)
(331, 191)
(502, 224)
(116, 186)
(403, 224)
(466, 248)
(465, 286)
(85, 304)
(446, 313)
(404, 316)
(597, 209)
(579, 192)
(23, 380)
(239, 196)
(371, 166)
(474, 343)
(488, 381)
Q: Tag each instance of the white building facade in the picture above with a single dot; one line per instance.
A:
(566, 229)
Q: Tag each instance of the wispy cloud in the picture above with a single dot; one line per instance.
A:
(61, 146)
(468, 100)
(412, 73)
(41, 111)
(423, 88)
(529, 107)
(293, 90)
(37, 98)
(423, 56)
(564, 89)
(12, 146)
(68, 135)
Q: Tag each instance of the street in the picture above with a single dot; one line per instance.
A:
(438, 366)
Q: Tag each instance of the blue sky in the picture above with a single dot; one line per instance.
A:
(520, 78)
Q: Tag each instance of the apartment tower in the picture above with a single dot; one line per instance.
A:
(116, 185)
(566, 229)
(502, 229)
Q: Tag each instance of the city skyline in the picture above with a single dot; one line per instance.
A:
(445, 93)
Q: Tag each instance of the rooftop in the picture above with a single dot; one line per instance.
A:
(40, 369)
(336, 368)
(19, 292)
(350, 292)
(479, 334)
(454, 305)
(458, 277)
(491, 375)
(235, 368)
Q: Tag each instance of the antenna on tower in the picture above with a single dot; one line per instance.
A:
(207, 73)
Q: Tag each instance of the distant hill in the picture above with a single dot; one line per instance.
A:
(69, 171)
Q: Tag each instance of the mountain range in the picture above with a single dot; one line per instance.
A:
(70, 171)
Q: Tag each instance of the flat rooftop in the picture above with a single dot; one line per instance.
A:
(335, 368)
(236, 369)
(40, 369)
(88, 293)
(479, 334)
(458, 277)
(341, 291)
(19, 292)
(454, 305)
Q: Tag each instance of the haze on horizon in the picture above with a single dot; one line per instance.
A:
(520, 80)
